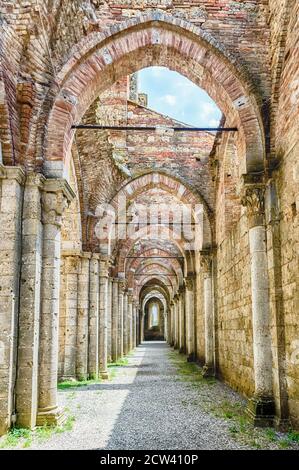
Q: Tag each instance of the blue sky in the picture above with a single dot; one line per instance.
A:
(172, 94)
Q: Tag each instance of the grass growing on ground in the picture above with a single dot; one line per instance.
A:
(76, 383)
(119, 363)
(233, 412)
(189, 371)
(24, 438)
(113, 366)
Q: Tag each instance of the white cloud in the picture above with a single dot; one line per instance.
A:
(173, 94)
(213, 123)
(207, 109)
(158, 71)
(169, 99)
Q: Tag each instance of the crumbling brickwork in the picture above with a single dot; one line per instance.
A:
(232, 303)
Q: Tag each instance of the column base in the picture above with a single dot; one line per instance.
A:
(81, 377)
(281, 424)
(191, 357)
(104, 375)
(208, 371)
(50, 417)
(93, 376)
(261, 411)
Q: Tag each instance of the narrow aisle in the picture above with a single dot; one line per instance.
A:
(162, 410)
(147, 405)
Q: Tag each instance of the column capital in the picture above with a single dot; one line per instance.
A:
(206, 262)
(12, 172)
(104, 265)
(59, 185)
(72, 253)
(122, 284)
(189, 281)
(181, 290)
(57, 195)
(253, 198)
(35, 179)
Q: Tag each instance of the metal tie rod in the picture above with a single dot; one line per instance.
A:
(158, 257)
(155, 223)
(154, 128)
(155, 274)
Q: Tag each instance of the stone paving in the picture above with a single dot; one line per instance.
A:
(145, 406)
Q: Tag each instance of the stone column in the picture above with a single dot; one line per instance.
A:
(261, 407)
(11, 196)
(120, 343)
(182, 320)
(171, 326)
(134, 324)
(142, 327)
(206, 268)
(190, 317)
(125, 323)
(56, 195)
(109, 321)
(130, 320)
(82, 326)
(68, 323)
(93, 323)
(114, 321)
(29, 314)
(103, 317)
(176, 321)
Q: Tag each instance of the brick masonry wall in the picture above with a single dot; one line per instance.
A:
(263, 35)
(184, 155)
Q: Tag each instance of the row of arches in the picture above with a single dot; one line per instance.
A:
(106, 284)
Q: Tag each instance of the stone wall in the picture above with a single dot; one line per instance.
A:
(287, 182)
(234, 323)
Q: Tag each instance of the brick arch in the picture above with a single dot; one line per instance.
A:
(154, 39)
(165, 270)
(128, 245)
(171, 263)
(154, 294)
(173, 186)
(165, 287)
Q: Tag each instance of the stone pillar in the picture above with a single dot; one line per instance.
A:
(142, 327)
(121, 287)
(190, 317)
(56, 195)
(68, 316)
(125, 323)
(261, 406)
(103, 317)
(130, 320)
(176, 321)
(138, 324)
(182, 320)
(115, 350)
(206, 268)
(171, 326)
(11, 195)
(93, 323)
(109, 320)
(83, 310)
(166, 325)
(134, 325)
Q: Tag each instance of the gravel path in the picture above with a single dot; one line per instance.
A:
(146, 405)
